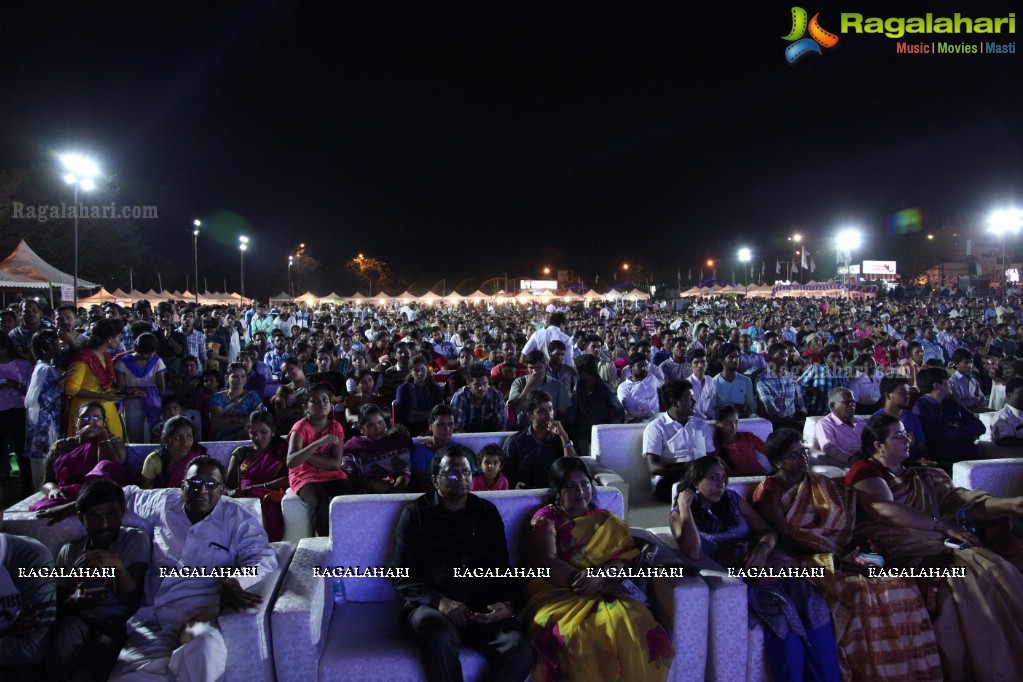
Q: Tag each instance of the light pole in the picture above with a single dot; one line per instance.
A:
(195, 253)
(80, 172)
(796, 239)
(847, 240)
(744, 256)
(1007, 220)
(291, 288)
(713, 270)
(243, 244)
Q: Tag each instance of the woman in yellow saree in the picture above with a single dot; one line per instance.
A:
(882, 628)
(585, 624)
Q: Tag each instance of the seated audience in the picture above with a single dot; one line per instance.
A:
(638, 394)
(478, 407)
(315, 448)
(416, 397)
(732, 388)
(442, 425)
(912, 513)
(741, 451)
(838, 434)
(528, 454)
(709, 520)
(779, 392)
(820, 378)
(378, 461)
(29, 607)
(93, 452)
(287, 402)
(595, 403)
(165, 467)
(573, 614)
(951, 429)
(884, 631)
(230, 408)
(491, 459)
(703, 386)
(537, 379)
(93, 612)
(965, 387)
(261, 470)
(895, 394)
(362, 394)
(1007, 429)
(865, 385)
(675, 438)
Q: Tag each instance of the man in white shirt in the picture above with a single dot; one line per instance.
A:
(675, 438)
(639, 393)
(174, 635)
(1007, 429)
(702, 385)
(542, 337)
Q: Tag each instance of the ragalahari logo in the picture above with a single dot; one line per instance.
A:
(801, 46)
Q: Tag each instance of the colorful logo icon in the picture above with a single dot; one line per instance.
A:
(801, 46)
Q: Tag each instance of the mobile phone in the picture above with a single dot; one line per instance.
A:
(955, 544)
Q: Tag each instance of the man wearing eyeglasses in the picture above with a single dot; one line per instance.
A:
(838, 434)
(439, 535)
(174, 634)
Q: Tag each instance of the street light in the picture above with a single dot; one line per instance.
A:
(1006, 220)
(847, 240)
(80, 172)
(243, 244)
(744, 256)
(195, 254)
(291, 289)
(546, 271)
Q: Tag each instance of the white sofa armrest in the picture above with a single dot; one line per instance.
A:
(301, 615)
(247, 632)
(298, 523)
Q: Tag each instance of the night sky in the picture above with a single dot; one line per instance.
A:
(466, 140)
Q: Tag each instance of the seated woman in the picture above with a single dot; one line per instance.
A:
(883, 629)
(595, 403)
(742, 452)
(710, 520)
(289, 398)
(314, 458)
(460, 377)
(261, 470)
(359, 362)
(378, 461)
(585, 627)
(363, 394)
(911, 514)
(93, 452)
(166, 466)
(416, 397)
(230, 408)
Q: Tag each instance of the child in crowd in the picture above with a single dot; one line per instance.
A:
(490, 476)
(170, 407)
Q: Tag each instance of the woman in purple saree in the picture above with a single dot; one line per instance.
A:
(93, 452)
(261, 470)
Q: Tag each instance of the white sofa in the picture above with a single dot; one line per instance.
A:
(1000, 477)
(315, 640)
(298, 523)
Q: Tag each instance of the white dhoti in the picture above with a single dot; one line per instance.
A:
(196, 653)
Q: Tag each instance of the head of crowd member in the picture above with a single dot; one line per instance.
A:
(1014, 392)
(702, 330)
(557, 351)
(962, 360)
(372, 422)
(31, 314)
(786, 452)
(588, 371)
(536, 366)
(187, 321)
(466, 359)
(291, 369)
(895, 392)
(365, 382)
(318, 403)
(833, 355)
(745, 343)
(100, 507)
(262, 429)
(866, 366)
(639, 365)
(279, 341)
(442, 424)
(452, 473)
(729, 355)
(779, 354)
(46, 345)
(698, 362)
(419, 372)
(572, 486)
(592, 344)
(885, 440)
(676, 397)
(479, 381)
(509, 350)
(916, 352)
(202, 487)
(678, 349)
(842, 404)
(708, 477)
(540, 410)
(66, 318)
(933, 382)
(929, 333)
(325, 361)
(402, 355)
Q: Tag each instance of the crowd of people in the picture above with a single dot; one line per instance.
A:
(327, 402)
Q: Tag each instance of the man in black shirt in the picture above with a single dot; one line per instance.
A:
(528, 454)
(439, 536)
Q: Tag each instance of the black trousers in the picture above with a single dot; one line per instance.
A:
(503, 645)
(317, 497)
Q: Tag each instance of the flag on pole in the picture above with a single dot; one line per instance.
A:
(813, 266)
(690, 274)
(803, 264)
(777, 267)
(701, 273)
(795, 267)
(763, 268)
(596, 280)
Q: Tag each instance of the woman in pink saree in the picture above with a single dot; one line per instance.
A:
(260, 470)
(93, 452)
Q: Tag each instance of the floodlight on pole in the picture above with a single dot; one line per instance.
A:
(847, 240)
(243, 244)
(291, 288)
(1001, 222)
(195, 253)
(80, 171)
